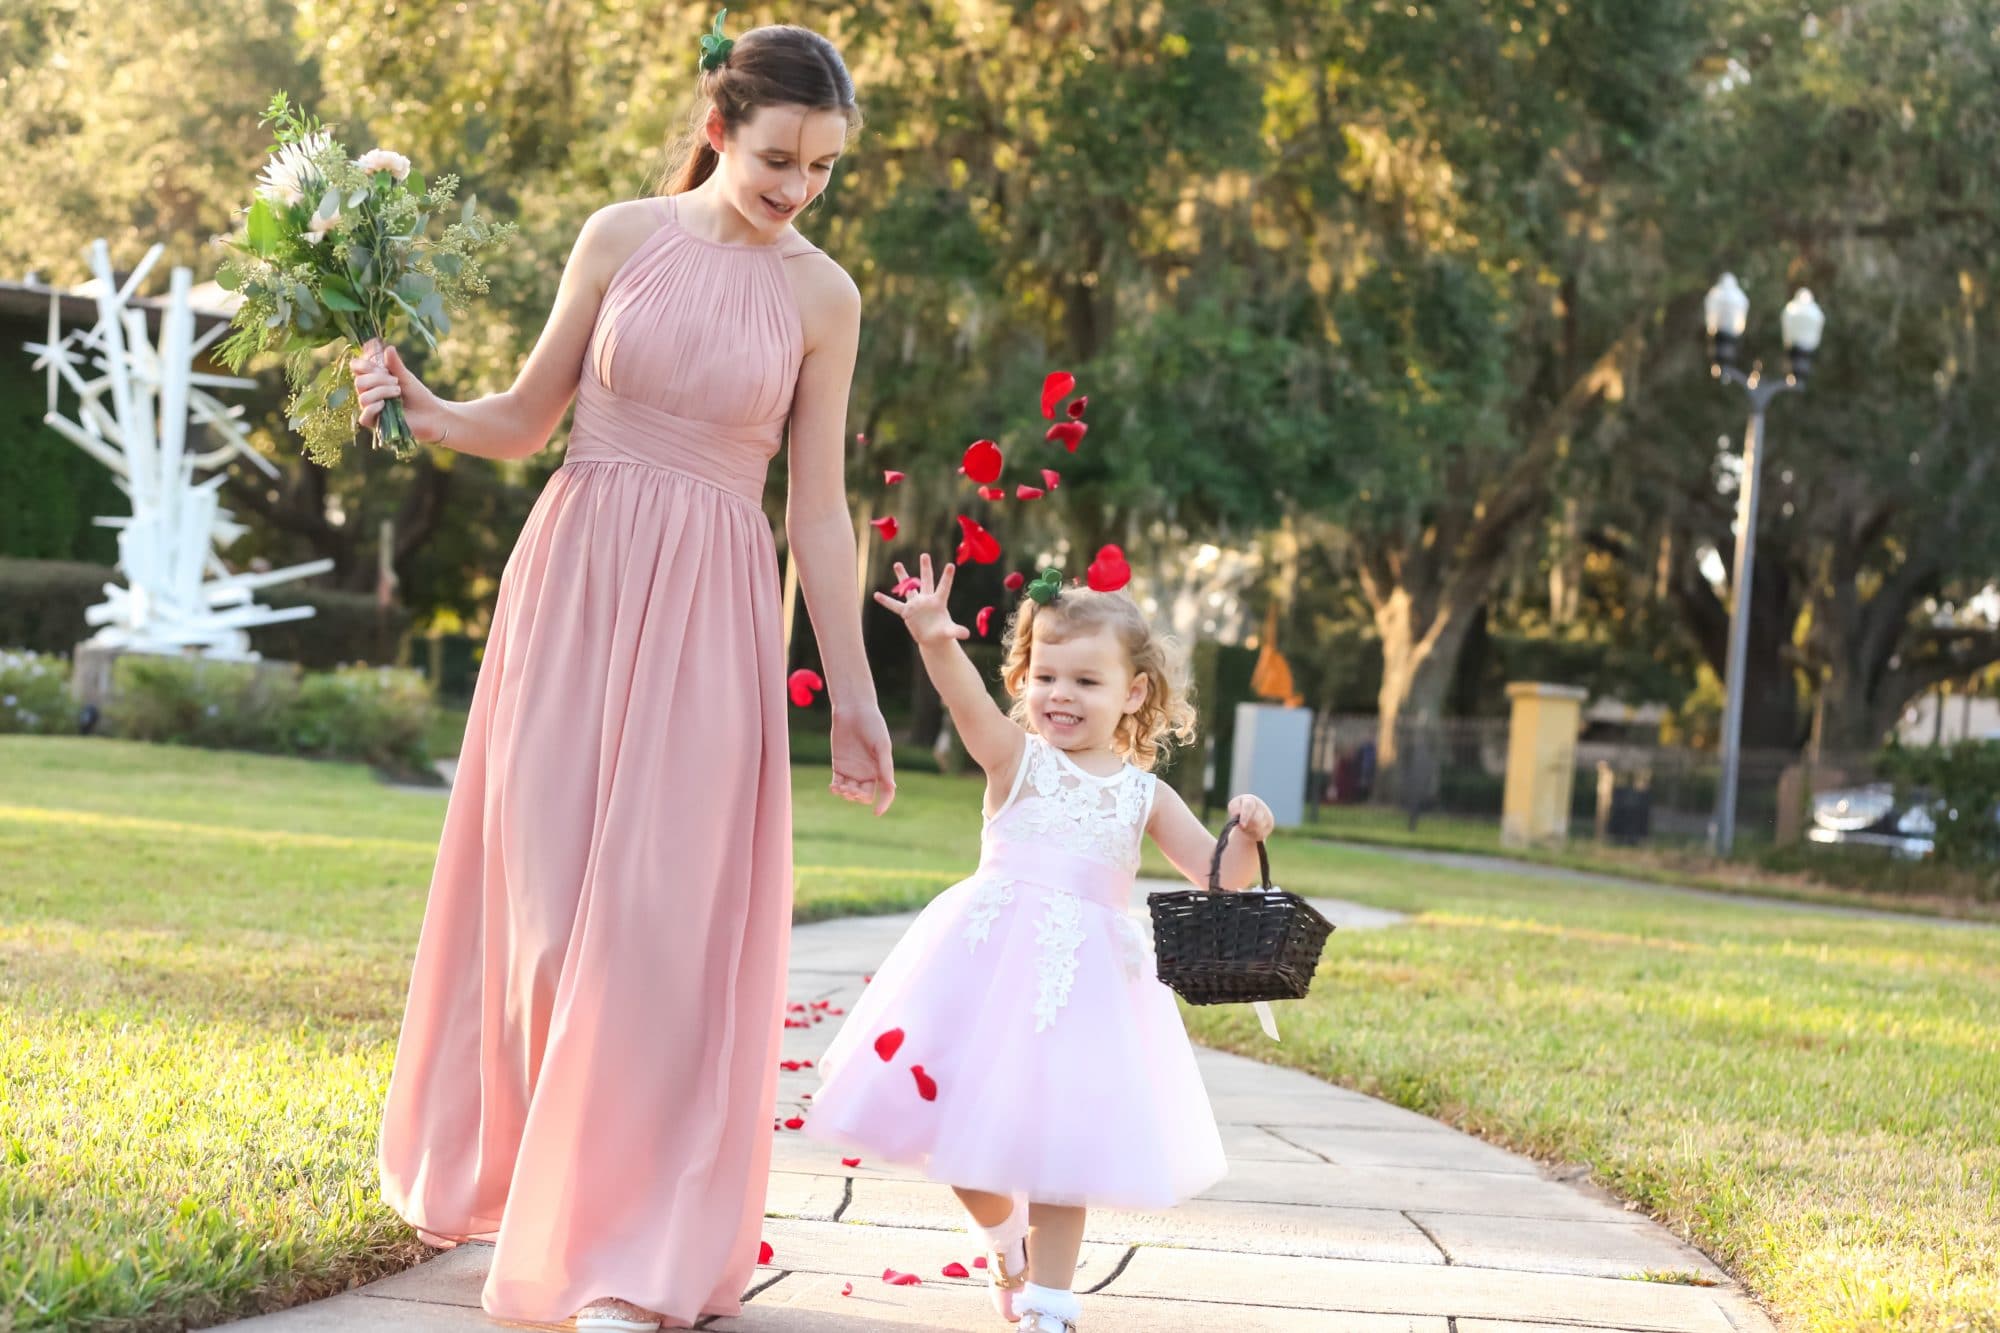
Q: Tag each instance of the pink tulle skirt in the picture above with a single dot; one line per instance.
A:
(1071, 1086)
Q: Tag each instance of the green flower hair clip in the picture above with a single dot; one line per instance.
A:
(715, 47)
(1046, 585)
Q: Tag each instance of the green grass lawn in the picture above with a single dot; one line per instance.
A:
(1808, 874)
(203, 957)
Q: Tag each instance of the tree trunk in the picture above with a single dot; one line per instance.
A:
(1420, 653)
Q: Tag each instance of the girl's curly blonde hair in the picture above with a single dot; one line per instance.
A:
(1168, 713)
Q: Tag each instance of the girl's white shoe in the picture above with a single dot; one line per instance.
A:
(1038, 1321)
(615, 1316)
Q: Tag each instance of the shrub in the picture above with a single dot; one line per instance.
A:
(378, 715)
(34, 694)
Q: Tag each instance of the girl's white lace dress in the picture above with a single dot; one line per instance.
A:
(1017, 1039)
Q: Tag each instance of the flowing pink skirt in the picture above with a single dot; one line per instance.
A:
(588, 1063)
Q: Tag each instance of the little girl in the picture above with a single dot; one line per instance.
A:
(1017, 1044)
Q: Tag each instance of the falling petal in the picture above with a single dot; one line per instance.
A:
(1070, 433)
(906, 587)
(984, 620)
(1076, 408)
(889, 1043)
(992, 492)
(802, 684)
(1014, 581)
(890, 477)
(1109, 572)
(1054, 389)
(1029, 492)
(1052, 477)
(764, 1252)
(983, 461)
(885, 525)
(926, 1085)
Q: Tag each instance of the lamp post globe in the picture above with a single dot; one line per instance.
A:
(1726, 310)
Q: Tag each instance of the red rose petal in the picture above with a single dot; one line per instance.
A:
(764, 1252)
(1055, 388)
(1109, 572)
(979, 545)
(1076, 408)
(956, 1269)
(1029, 492)
(906, 587)
(807, 1064)
(795, 1122)
(805, 1096)
(802, 683)
(984, 620)
(850, 1161)
(847, 1288)
(983, 461)
(890, 476)
(1052, 477)
(992, 492)
(866, 980)
(788, 1064)
(1070, 433)
(885, 526)
(980, 1262)
(1014, 582)
(895, 1279)
(889, 1043)
(926, 1085)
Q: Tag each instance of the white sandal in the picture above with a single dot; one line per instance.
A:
(615, 1316)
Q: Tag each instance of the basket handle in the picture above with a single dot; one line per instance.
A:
(1215, 862)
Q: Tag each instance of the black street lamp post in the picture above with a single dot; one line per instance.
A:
(1727, 310)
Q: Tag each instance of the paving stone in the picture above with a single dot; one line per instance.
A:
(1464, 1293)
(813, 1303)
(1548, 1245)
(805, 1194)
(453, 1277)
(859, 1250)
(1433, 1146)
(1500, 1193)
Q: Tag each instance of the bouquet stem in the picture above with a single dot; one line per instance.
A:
(392, 430)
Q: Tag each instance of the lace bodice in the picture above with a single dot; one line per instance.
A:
(1056, 804)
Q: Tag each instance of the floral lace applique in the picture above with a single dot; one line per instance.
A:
(986, 904)
(1060, 808)
(1058, 935)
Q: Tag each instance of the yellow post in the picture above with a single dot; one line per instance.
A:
(1541, 762)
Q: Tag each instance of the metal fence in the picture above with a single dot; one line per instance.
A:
(1623, 791)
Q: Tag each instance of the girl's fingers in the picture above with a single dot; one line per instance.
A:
(944, 583)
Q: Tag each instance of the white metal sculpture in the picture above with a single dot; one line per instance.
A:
(181, 597)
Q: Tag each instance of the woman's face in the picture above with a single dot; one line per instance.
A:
(777, 162)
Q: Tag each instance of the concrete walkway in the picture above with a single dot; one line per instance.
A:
(1340, 1214)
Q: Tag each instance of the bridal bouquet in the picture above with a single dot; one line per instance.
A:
(336, 251)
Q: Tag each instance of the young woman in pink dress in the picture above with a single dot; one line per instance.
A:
(588, 1062)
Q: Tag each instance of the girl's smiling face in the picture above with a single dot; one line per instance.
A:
(1079, 689)
(778, 162)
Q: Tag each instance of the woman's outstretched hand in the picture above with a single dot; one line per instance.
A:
(923, 608)
(379, 373)
(864, 766)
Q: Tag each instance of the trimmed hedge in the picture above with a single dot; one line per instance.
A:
(42, 604)
(34, 695)
(378, 715)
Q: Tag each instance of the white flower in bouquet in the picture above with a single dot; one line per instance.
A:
(291, 175)
(335, 252)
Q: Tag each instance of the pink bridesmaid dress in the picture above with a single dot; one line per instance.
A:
(588, 1063)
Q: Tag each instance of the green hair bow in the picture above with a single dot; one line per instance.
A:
(1046, 585)
(715, 47)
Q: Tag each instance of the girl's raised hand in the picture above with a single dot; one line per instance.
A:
(924, 610)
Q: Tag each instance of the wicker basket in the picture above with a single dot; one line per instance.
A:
(1233, 948)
